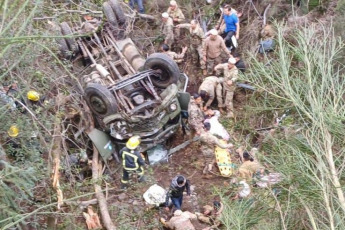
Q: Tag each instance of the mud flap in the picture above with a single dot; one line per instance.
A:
(183, 99)
(103, 143)
(226, 167)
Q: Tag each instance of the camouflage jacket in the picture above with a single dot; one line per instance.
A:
(229, 74)
(195, 115)
(209, 142)
(176, 57)
(177, 13)
(168, 29)
(209, 85)
(197, 35)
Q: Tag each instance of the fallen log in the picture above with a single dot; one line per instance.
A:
(102, 202)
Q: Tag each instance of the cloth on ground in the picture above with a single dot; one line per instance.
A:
(216, 127)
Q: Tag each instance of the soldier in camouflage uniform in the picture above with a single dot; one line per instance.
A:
(208, 144)
(230, 72)
(178, 58)
(177, 16)
(213, 46)
(195, 114)
(208, 87)
(197, 37)
(168, 29)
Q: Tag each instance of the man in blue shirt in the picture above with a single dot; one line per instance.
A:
(232, 25)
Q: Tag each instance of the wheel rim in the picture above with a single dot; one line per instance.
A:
(161, 77)
(98, 105)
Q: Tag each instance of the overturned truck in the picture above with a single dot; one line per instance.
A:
(127, 94)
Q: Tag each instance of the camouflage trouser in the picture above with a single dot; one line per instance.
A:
(219, 94)
(170, 42)
(177, 32)
(196, 127)
(196, 52)
(209, 220)
(208, 156)
(228, 99)
(211, 63)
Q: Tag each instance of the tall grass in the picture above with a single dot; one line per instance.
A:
(305, 73)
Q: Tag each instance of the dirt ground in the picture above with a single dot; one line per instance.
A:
(188, 162)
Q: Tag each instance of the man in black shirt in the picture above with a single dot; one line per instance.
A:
(175, 192)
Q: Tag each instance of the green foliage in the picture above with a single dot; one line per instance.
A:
(250, 212)
(305, 73)
(16, 186)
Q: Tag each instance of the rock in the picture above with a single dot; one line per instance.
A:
(122, 197)
(136, 209)
(130, 201)
(135, 202)
(192, 188)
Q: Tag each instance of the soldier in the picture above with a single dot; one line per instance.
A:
(207, 89)
(176, 14)
(195, 114)
(230, 76)
(211, 215)
(208, 143)
(168, 29)
(178, 58)
(197, 38)
(213, 46)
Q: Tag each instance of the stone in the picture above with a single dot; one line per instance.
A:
(122, 197)
(135, 202)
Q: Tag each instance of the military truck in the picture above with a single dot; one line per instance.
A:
(127, 94)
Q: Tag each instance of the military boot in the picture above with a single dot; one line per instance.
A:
(142, 179)
(230, 114)
(123, 186)
(221, 110)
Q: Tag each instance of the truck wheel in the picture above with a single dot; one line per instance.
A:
(101, 101)
(117, 8)
(109, 14)
(63, 47)
(66, 30)
(169, 71)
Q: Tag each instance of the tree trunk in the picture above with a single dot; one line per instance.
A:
(99, 195)
(107, 222)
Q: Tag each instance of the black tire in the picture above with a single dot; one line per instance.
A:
(170, 73)
(110, 15)
(66, 30)
(64, 49)
(117, 8)
(100, 100)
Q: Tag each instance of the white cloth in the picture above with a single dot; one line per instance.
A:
(270, 179)
(216, 127)
(245, 191)
(155, 195)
